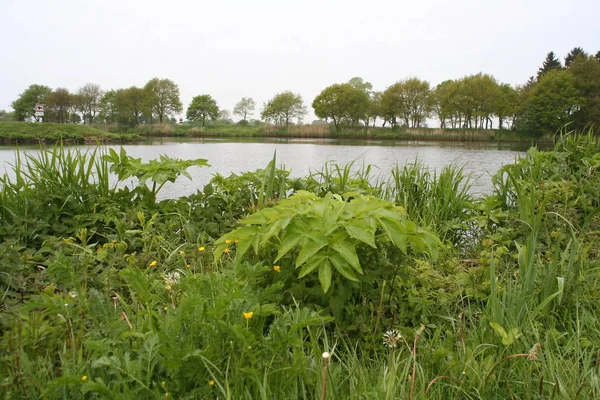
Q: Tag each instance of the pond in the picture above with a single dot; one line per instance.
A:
(481, 159)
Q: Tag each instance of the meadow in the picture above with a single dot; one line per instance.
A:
(336, 285)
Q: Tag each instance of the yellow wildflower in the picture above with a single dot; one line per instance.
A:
(182, 252)
(227, 241)
(201, 248)
(248, 315)
(168, 287)
(84, 378)
(163, 383)
(165, 308)
(154, 263)
(211, 382)
(187, 265)
(236, 241)
(226, 251)
(276, 268)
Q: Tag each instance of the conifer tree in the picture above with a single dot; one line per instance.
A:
(551, 62)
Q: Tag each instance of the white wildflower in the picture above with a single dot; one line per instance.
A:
(391, 338)
(172, 278)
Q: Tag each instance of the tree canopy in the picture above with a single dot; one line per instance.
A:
(24, 106)
(162, 98)
(284, 107)
(244, 108)
(201, 108)
(341, 102)
(551, 103)
(550, 63)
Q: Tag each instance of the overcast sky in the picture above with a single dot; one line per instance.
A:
(235, 48)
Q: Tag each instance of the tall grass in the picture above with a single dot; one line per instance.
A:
(49, 189)
(440, 200)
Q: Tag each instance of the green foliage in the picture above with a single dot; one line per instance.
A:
(551, 103)
(440, 201)
(573, 54)
(161, 171)
(6, 116)
(107, 295)
(342, 102)
(586, 71)
(284, 107)
(201, 108)
(18, 132)
(161, 97)
(324, 233)
(550, 63)
(410, 100)
(244, 108)
(54, 194)
(24, 106)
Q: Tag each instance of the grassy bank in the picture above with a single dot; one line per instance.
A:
(325, 131)
(23, 132)
(335, 285)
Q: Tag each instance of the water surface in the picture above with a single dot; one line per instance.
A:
(481, 159)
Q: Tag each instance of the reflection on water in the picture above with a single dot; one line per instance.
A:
(226, 156)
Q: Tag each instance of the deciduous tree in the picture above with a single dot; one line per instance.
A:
(25, 104)
(360, 84)
(201, 108)
(162, 98)
(409, 100)
(132, 104)
(6, 115)
(109, 110)
(284, 107)
(244, 108)
(551, 103)
(340, 102)
(586, 71)
(59, 104)
(88, 101)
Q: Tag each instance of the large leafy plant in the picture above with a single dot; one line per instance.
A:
(161, 171)
(323, 233)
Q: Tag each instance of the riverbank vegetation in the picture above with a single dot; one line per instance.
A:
(17, 132)
(558, 94)
(341, 284)
(324, 131)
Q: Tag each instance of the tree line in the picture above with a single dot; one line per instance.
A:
(559, 93)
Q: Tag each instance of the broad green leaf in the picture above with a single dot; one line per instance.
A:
(312, 264)
(315, 243)
(325, 275)
(388, 215)
(432, 242)
(344, 248)
(275, 229)
(342, 266)
(288, 243)
(396, 234)
(361, 230)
